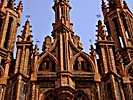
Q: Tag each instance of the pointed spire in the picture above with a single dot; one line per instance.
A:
(101, 31)
(20, 7)
(92, 50)
(36, 50)
(125, 5)
(62, 9)
(26, 36)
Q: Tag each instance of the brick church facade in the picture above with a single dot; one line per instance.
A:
(63, 71)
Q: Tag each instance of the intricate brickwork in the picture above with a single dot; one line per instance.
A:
(62, 71)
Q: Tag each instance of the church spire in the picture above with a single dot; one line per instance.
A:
(26, 31)
(61, 8)
(20, 7)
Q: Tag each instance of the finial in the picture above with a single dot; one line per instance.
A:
(101, 31)
(36, 49)
(98, 16)
(125, 4)
(26, 32)
(20, 6)
(28, 16)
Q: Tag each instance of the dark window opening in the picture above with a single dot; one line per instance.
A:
(132, 87)
(62, 11)
(118, 32)
(8, 33)
(83, 65)
(121, 42)
(47, 65)
(76, 65)
(14, 91)
(57, 13)
(22, 91)
(109, 92)
(126, 28)
(108, 28)
(3, 62)
(1, 71)
(53, 67)
(80, 96)
(1, 23)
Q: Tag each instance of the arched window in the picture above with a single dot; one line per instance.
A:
(80, 96)
(124, 19)
(82, 64)
(109, 91)
(48, 64)
(8, 32)
(50, 96)
(22, 90)
(14, 91)
(118, 33)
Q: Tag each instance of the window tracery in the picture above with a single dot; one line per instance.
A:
(47, 64)
(80, 96)
(82, 64)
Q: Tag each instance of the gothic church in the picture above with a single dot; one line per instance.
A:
(63, 71)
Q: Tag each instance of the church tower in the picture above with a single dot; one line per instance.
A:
(62, 70)
(115, 48)
(9, 22)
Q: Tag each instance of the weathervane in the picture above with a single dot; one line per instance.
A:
(28, 16)
(90, 41)
(98, 16)
(37, 41)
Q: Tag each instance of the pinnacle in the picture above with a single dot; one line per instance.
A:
(26, 31)
(20, 6)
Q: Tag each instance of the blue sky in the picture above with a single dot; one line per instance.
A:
(83, 17)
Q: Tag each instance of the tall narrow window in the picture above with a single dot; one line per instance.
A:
(132, 87)
(126, 28)
(57, 13)
(118, 32)
(22, 91)
(8, 32)
(1, 22)
(14, 91)
(121, 42)
(108, 28)
(75, 67)
(62, 11)
(109, 92)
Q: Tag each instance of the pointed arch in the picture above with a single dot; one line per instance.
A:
(85, 57)
(47, 56)
(80, 95)
(49, 95)
(128, 67)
